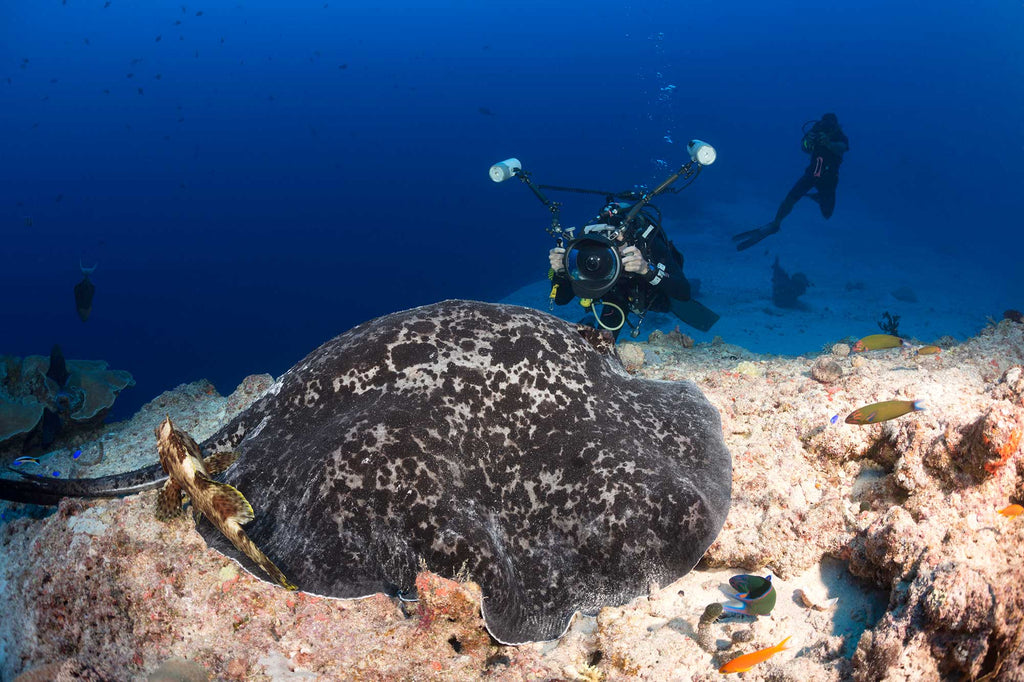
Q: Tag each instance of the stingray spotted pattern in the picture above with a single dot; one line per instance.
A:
(490, 436)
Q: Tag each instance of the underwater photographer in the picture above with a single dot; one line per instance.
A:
(636, 275)
(623, 265)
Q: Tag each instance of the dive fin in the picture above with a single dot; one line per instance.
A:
(744, 240)
(694, 313)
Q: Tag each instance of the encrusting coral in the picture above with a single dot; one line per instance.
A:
(26, 393)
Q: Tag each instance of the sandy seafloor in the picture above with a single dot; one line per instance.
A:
(897, 520)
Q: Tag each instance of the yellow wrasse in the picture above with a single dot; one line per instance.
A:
(742, 664)
(877, 342)
(880, 412)
(1012, 512)
(929, 350)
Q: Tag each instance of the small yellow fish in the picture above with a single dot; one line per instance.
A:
(878, 342)
(742, 664)
(1012, 512)
(929, 350)
(880, 412)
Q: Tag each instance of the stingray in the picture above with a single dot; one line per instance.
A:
(488, 438)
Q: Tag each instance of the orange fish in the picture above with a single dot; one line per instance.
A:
(1012, 512)
(929, 350)
(742, 664)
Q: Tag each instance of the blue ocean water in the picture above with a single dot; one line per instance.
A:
(253, 178)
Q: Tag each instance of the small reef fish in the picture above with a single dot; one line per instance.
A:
(757, 595)
(929, 350)
(878, 342)
(84, 291)
(742, 664)
(20, 461)
(189, 474)
(1011, 512)
(884, 411)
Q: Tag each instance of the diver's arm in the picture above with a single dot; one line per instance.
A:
(564, 293)
(665, 276)
(838, 147)
(838, 143)
(668, 280)
(559, 277)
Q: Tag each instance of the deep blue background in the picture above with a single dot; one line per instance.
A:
(291, 169)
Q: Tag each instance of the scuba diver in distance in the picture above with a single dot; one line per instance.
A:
(84, 292)
(826, 143)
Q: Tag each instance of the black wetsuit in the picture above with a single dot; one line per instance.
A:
(635, 293)
(823, 172)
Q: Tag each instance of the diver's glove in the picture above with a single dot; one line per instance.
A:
(744, 240)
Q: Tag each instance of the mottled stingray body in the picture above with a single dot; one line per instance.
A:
(487, 437)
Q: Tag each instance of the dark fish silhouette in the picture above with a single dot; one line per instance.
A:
(485, 111)
(84, 291)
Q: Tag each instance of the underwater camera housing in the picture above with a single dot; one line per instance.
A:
(592, 263)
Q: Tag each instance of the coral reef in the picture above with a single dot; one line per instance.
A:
(889, 323)
(826, 370)
(898, 520)
(28, 391)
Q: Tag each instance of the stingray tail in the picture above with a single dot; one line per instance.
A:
(32, 489)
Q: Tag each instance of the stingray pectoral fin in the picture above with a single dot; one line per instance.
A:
(219, 462)
(229, 504)
(169, 502)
